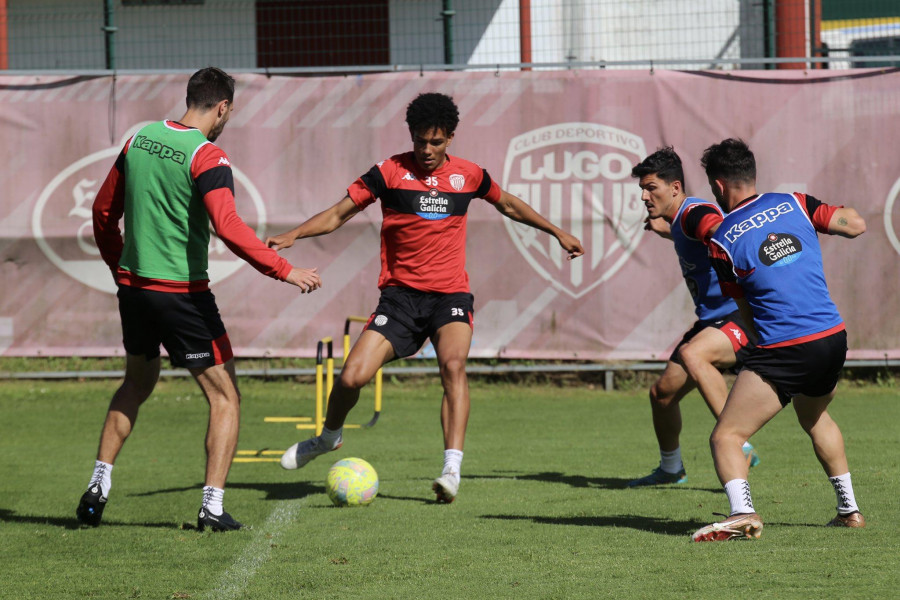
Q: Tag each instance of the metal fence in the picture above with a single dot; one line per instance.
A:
(366, 35)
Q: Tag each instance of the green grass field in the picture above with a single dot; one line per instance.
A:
(543, 511)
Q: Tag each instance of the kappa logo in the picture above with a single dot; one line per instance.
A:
(408, 177)
(194, 356)
(578, 175)
(737, 335)
(224, 161)
(757, 220)
(63, 229)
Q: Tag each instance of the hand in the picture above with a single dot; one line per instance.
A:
(305, 279)
(570, 244)
(658, 226)
(281, 241)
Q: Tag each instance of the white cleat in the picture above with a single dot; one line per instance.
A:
(747, 525)
(302, 452)
(446, 486)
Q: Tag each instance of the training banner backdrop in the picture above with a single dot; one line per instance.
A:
(563, 141)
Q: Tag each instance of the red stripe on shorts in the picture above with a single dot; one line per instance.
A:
(735, 334)
(221, 347)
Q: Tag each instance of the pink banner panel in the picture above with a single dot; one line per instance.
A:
(562, 141)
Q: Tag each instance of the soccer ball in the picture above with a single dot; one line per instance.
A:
(352, 482)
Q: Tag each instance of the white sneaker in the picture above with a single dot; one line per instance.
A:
(302, 452)
(446, 486)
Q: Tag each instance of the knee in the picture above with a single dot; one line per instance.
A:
(689, 357)
(139, 389)
(722, 436)
(659, 397)
(453, 368)
(352, 378)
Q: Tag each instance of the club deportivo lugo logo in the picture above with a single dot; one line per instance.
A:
(578, 175)
(63, 229)
(891, 220)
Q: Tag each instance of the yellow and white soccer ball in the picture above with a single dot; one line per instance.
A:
(352, 482)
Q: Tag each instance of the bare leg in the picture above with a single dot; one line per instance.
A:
(141, 376)
(750, 405)
(451, 344)
(665, 396)
(828, 442)
(219, 385)
(371, 351)
(703, 357)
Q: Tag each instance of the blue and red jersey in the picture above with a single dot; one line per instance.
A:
(423, 232)
(691, 232)
(767, 251)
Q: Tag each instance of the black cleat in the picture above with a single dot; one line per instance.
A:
(223, 522)
(90, 508)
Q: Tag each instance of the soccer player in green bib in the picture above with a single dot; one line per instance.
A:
(171, 182)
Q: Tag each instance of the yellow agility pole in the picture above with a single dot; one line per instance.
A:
(378, 375)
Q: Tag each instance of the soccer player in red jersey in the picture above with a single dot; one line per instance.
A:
(424, 195)
(170, 182)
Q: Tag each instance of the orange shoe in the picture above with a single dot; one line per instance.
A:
(854, 520)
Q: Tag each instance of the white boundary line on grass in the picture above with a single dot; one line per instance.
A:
(238, 576)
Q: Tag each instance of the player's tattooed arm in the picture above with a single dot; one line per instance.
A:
(846, 222)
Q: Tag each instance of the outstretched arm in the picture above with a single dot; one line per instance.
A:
(513, 208)
(847, 223)
(325, 222)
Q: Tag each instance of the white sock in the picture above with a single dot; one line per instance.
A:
(212, 499)
(671, 461)
(843, 488)
(103, 476)
(452, 463)
(738, 492)
(330, 437)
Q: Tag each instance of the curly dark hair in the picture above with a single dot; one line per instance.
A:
(207, 87)
(432, 110)
(665, 163)
(730, 160)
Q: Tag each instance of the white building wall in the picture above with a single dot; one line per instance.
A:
(54, 34)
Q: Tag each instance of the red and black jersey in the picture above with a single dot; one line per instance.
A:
(423, 235)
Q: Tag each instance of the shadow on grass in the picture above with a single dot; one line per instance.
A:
(8, 516)
(581, 481)
(652, 524)
(290, 490)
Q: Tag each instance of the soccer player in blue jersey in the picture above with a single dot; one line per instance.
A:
(767, 255)
(717, 340)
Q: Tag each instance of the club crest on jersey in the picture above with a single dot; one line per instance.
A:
(780, 249)
(63, 227)
(577, 175)
(457, 182)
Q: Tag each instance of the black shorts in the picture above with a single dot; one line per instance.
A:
(811, 369)
(743, 339)
(407, 317)
(188, 325)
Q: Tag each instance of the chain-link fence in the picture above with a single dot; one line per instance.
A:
(321, 35)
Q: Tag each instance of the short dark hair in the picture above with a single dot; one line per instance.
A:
(207, 87)
(665, 163)
(432, 110)
(730, 160)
